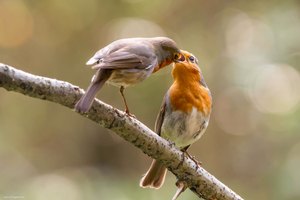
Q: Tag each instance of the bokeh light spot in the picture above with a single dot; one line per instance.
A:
(57, 20)
(234, 113)
(276, 89)
(133, 27)
(16, 23)
(247, 37)
(53, 186)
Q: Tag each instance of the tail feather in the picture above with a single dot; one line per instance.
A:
(155, 176)
(85, 102)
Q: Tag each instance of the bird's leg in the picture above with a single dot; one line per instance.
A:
(198, 163)
(124, 100)
(184, 150)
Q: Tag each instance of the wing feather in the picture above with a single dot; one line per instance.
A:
(160, 117)
(125, 60)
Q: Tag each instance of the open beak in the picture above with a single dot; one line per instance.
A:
(179, 57)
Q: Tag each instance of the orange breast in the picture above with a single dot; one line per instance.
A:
(186, 95)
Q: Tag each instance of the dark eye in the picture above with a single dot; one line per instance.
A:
(193, 59)
(176, 56)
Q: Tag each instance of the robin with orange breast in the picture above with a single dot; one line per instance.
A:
(184, 114)
(127, 62)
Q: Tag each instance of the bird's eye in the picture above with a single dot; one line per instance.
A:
(192, 59)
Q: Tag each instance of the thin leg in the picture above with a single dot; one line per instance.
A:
(184, 150)
(124, 100)
(191, 157)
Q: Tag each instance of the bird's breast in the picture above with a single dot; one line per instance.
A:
(187, 112)
(185, 96)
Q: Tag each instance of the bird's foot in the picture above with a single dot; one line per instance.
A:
(198, 163)
(129, 114)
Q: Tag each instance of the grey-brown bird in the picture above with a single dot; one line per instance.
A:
(127, 62)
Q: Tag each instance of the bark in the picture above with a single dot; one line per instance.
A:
(182, 166)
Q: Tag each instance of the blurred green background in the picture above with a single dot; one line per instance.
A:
(249, 52)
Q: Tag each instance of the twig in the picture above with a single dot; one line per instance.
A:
(197, 179)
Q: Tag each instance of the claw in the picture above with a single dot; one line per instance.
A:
(198, 163)
(129, 114)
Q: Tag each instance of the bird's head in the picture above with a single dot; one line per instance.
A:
(167, 49)
(186, 64)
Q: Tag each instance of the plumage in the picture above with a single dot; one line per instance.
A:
(127, 62)
(184, 114)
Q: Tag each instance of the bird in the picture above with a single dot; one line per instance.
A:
(126, 62)
(184, 114)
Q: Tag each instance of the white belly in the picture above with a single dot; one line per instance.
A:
(183, 129)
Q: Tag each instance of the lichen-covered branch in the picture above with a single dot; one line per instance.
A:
(198, 179)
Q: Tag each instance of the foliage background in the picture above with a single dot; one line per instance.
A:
(249, 52)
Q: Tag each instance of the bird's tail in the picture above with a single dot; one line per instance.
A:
(85, 102)
(155, 176)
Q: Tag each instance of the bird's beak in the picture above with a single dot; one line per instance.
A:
(179, 58)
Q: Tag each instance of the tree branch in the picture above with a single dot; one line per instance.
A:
(198, 179)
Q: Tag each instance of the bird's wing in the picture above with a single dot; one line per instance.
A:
(125, 60)
(160, 117)
(132, 56)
